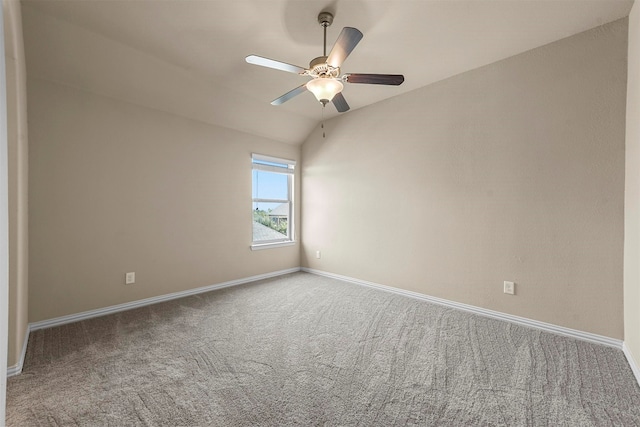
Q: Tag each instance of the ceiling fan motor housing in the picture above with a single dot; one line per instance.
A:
(318, 67)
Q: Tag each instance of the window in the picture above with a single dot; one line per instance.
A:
(272, 198)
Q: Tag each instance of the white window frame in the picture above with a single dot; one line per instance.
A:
(287, 168)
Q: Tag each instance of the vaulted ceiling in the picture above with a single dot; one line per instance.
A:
(187, 57)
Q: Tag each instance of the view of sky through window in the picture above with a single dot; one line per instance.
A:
(268, 185)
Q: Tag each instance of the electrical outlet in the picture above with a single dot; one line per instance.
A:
(130, 278)
(509, 288)
(318, 254)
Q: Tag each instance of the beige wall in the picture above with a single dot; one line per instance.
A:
(116, 187)
(632, 194)
(124, 176)
(514, 171)
(81, 57)
(18, 179)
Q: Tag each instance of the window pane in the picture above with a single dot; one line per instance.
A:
(270, 221)
(269, 185)
(272, 204)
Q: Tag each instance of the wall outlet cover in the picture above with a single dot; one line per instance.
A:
(130, 278)
(509, 288)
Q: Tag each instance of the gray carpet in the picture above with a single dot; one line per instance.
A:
(306, 350)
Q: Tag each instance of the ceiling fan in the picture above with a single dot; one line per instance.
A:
(326, 82)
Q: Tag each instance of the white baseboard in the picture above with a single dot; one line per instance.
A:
(560, 330)
(17, 368)
(632, 362)
(585, 336)
(43, 324)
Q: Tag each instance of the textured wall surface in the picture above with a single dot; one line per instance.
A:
(510, 172)
(116, 188)
(514, 171)
(18, 154)
(632, 194)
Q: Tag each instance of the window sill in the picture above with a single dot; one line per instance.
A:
(260, 246)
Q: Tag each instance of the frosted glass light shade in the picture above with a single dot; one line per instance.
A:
(324, 88)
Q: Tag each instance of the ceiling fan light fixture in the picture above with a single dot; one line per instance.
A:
(324, 89)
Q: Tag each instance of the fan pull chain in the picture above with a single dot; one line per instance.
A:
(322, 123)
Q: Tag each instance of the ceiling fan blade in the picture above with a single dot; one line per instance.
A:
(271, 63)
(375, 79)
(347, 41)
(340, 103)
(287, 96)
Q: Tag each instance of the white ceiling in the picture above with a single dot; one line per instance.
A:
(187, 57)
